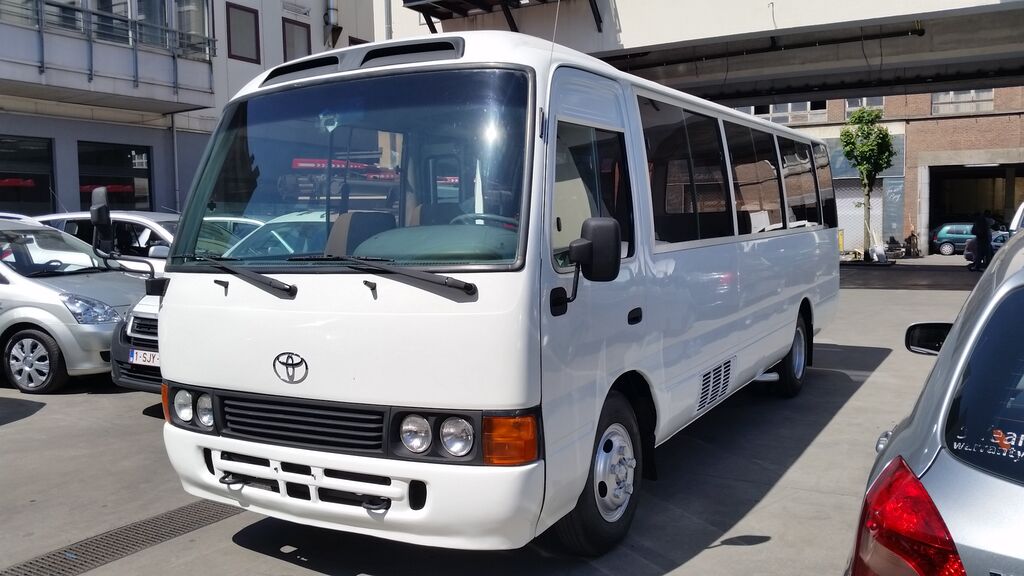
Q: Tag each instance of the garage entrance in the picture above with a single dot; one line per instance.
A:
(959, 192)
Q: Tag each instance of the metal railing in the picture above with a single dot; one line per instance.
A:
(106, 27)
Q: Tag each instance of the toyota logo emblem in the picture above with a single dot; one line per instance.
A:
(290, 367)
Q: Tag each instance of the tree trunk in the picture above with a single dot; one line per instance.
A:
(867, 224)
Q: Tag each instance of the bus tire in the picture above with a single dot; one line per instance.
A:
(793, 367)
(606, 507)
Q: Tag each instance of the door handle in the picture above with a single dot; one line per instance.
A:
(635, 316)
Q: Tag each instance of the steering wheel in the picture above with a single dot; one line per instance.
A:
(55, 263)
(467, 218)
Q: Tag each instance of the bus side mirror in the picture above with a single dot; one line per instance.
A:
(927, 337)
(598, 250)
(99, 215)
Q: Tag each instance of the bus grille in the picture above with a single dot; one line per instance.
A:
(314, 425)
(714, 384)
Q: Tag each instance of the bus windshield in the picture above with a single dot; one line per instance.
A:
(420, 169)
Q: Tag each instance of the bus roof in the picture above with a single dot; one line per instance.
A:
(473, 47)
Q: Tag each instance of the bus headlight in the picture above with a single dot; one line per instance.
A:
(457, 436)
(183, 405)
(204, 410)
(415, 432)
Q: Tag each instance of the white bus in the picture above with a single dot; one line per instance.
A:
(520, 272)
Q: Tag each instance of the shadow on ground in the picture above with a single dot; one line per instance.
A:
(14, 409)
(94, 384)
(908, 277)
(711, 475)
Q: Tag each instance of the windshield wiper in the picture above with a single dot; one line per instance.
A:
(376, 264)
(89, 269)
(265, 283)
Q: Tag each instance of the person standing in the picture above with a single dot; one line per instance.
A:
(982, 242)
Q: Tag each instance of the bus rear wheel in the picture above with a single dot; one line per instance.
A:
(606, 507)
(794, 366)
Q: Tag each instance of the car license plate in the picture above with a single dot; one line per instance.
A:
(144, 357)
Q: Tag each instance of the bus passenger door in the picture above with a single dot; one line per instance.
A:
(589, 342)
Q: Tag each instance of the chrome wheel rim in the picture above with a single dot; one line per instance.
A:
(614, 468)
(799, 353)
(946, 249)
(29, 362)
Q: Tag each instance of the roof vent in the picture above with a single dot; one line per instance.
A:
(410, 52)
(302, 69)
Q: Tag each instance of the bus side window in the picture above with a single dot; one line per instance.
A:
(756, 175)
(800, 193)
(827, 196)
(689, 196)
(591, 179)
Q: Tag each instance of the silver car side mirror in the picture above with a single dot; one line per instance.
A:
(927, 337)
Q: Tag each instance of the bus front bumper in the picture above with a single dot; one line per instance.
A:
(444, 505)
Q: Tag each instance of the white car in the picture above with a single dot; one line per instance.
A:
(17, 217)
(135, 233)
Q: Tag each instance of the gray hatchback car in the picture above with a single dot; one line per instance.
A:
(946, 494)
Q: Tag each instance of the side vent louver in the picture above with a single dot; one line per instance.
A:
(714, 384)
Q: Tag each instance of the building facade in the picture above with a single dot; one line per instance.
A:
(125, 93)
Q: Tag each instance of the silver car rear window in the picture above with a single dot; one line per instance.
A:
(985, 426)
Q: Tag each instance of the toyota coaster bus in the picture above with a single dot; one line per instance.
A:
(564, 265)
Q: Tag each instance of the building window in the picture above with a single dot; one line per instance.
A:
(194, 27)
(26, 175)
(296, 39)
(243, 33)
(962, 101)
(854, 104)
(123, 170)
(789, 112)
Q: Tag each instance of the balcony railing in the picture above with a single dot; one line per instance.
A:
(106, 26)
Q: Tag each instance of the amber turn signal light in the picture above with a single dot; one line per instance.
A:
(163, 401)
(510, 440)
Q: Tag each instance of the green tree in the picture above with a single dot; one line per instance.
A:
(868, 146)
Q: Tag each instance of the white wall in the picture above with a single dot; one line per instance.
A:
(636, 23)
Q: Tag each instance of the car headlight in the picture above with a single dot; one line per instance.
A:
(89, 311)
(457, 436)
(204, 410)
(416, 433)
(183, 405)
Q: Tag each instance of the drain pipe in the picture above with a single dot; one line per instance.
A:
(174, 158)
(387, 20)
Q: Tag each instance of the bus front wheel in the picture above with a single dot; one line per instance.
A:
(605, 509)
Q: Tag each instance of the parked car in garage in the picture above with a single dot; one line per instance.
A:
(135, 233)
(946, 493)
(135, 358)
(951, 238)
(59, 304)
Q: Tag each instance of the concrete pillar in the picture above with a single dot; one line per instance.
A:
(923, 200)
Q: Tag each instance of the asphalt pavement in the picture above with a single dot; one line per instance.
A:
(757, 486)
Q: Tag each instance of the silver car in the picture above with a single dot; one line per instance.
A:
(59, 304)
(946, 494)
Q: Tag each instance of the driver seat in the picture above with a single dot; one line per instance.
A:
(433, 214)
(353, 228)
